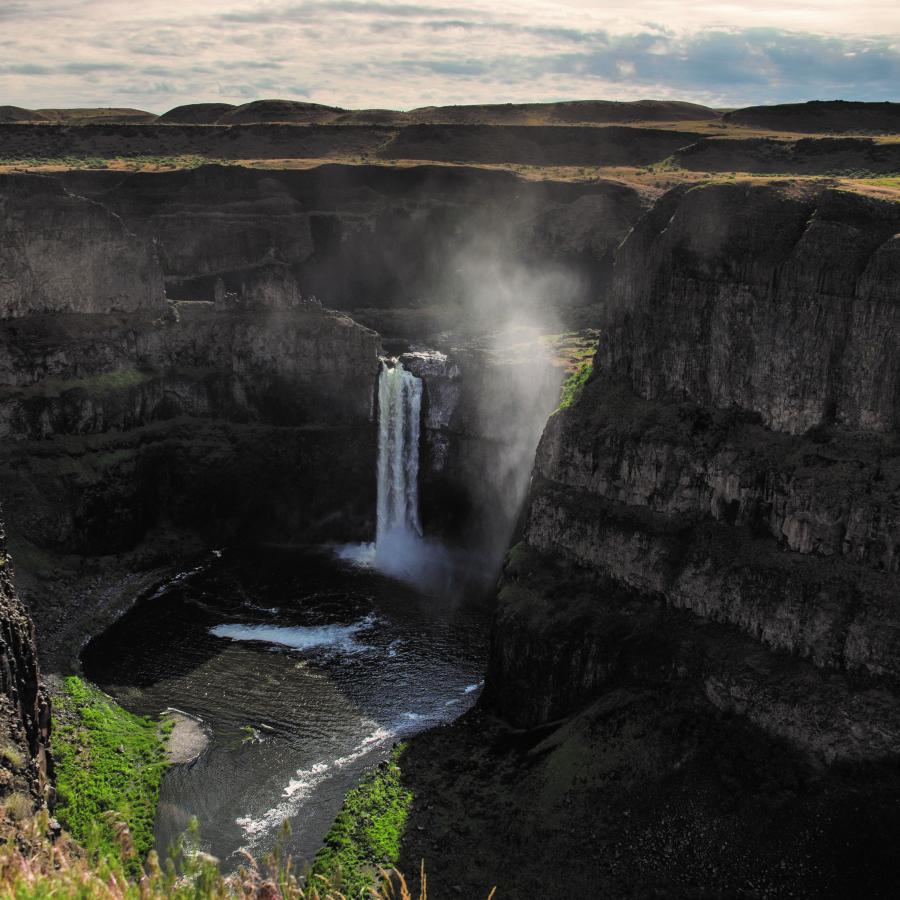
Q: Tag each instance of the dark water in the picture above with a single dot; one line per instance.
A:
(305, 670)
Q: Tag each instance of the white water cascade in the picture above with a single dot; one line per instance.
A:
(399, 411)
(400, 549)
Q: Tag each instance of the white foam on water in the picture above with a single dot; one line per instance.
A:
(469, 688)
(378, 737)
(300, 637)
(404, 555)
(305, 780)
(303, 783)
(362, 555)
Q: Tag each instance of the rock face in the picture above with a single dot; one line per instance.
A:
(128, 419)
(62, 253)
(118, 421)
(367, 236)
(804, 156)
(780, 301)
(25, 762)
(729, 478)
(376, 135)
(483, 413)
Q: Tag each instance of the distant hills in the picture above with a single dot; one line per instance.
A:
(820, 117)
(814, 117)
(564, 113)
(77, 116)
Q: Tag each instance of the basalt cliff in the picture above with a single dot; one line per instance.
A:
(735, 454)
(693, 683)
(170, 381)
(697, 634)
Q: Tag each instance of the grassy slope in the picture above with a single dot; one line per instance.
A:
(574, 384)
(109, 765)
(367, 832)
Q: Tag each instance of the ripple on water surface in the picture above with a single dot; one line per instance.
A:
(304, 670)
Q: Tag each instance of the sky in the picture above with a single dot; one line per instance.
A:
(156, 54)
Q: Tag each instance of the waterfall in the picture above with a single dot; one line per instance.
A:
(400, 550)
(399, 409)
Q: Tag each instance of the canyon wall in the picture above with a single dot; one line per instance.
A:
(457, 142)
(43, 263)
(515, 137)
(169, 382)
(133, 424)
(720, 505)
(416, 253)
(26, 766)
(369, 236)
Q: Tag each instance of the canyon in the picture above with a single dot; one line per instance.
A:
(692, 680)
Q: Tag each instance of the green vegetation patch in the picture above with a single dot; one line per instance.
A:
(573, 386)
(109, 765)
(367, 832)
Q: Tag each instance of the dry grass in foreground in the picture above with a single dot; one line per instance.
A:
(34, 867)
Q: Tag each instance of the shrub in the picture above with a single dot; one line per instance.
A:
(12, 755)
(18, 806)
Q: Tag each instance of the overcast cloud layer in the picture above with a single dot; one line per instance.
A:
(388, 53)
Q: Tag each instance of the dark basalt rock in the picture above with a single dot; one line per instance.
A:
(25, 763)
(63, 253)
(735, 456)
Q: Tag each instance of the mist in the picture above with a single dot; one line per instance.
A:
(490, 381)
(511, 383)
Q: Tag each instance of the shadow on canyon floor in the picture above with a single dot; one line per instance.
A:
(644, 794)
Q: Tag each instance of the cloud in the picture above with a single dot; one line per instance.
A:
(368, 53)
(87, 68)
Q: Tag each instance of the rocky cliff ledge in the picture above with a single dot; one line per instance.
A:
(369, 236)
(693, 679)
(130, 421)
(25, 762)
(735, 456)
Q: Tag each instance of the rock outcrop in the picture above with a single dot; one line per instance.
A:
(730, 477)
(778, 300)
(62, 253)
(369, 236)
(128, 419)
(25, 761)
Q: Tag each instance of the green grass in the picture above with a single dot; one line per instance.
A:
(367, 832)
(572, 387)
(109, 764)
(109, 761)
